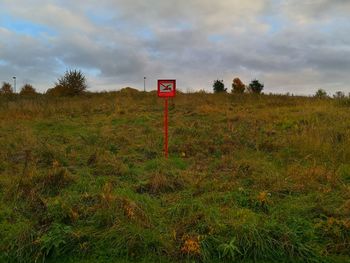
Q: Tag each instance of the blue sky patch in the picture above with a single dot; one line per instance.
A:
(145, 34)
(23, 26)
(216, 38)
(276, 24)
(101, 17)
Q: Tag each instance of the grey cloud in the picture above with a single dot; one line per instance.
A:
(315, 10)
(195, 41)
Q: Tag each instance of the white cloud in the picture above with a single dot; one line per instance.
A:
(291, 45)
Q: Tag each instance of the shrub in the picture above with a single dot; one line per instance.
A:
(255, 86)
(129, 90)
(321, 94)
(58, 90)
(6, 88)
(219, 86)
(28, 90)
(339, 95)
(72, 83)
(237, 86)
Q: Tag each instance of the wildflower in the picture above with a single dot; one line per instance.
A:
(191, 246)
(262, 197)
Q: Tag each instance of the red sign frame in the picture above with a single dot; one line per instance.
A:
(165, 83)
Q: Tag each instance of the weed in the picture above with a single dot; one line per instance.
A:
(54, 242)
(229, 250)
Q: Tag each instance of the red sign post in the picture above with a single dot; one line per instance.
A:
(166, 89)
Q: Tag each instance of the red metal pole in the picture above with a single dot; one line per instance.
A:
(166, 128)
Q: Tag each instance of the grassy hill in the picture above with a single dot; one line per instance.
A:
(249, 179)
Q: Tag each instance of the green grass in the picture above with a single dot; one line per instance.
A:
(249, 179)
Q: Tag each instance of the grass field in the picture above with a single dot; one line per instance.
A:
(249, 179)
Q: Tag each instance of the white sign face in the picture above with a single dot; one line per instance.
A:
(166, 87)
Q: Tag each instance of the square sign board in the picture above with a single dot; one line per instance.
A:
(166, 87)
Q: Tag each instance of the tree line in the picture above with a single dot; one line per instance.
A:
(73, 82)
(255, 87)
(238, 86)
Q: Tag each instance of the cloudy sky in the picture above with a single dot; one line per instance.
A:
(295, 46)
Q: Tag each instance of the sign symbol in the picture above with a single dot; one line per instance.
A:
(166, 87)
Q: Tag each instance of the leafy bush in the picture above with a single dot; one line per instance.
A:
(238, 86)
(219, 86)
(71, 84)
(321, 94)
(255, 86)
(6, 89)
(28, 90)
(339, 95)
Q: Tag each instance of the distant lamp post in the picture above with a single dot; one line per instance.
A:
(14, 83)
(144, 84)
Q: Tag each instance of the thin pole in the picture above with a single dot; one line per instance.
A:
(14, 83)
(144, 84)
(166, 128)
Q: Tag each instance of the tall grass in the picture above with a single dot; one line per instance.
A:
(249, 179)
